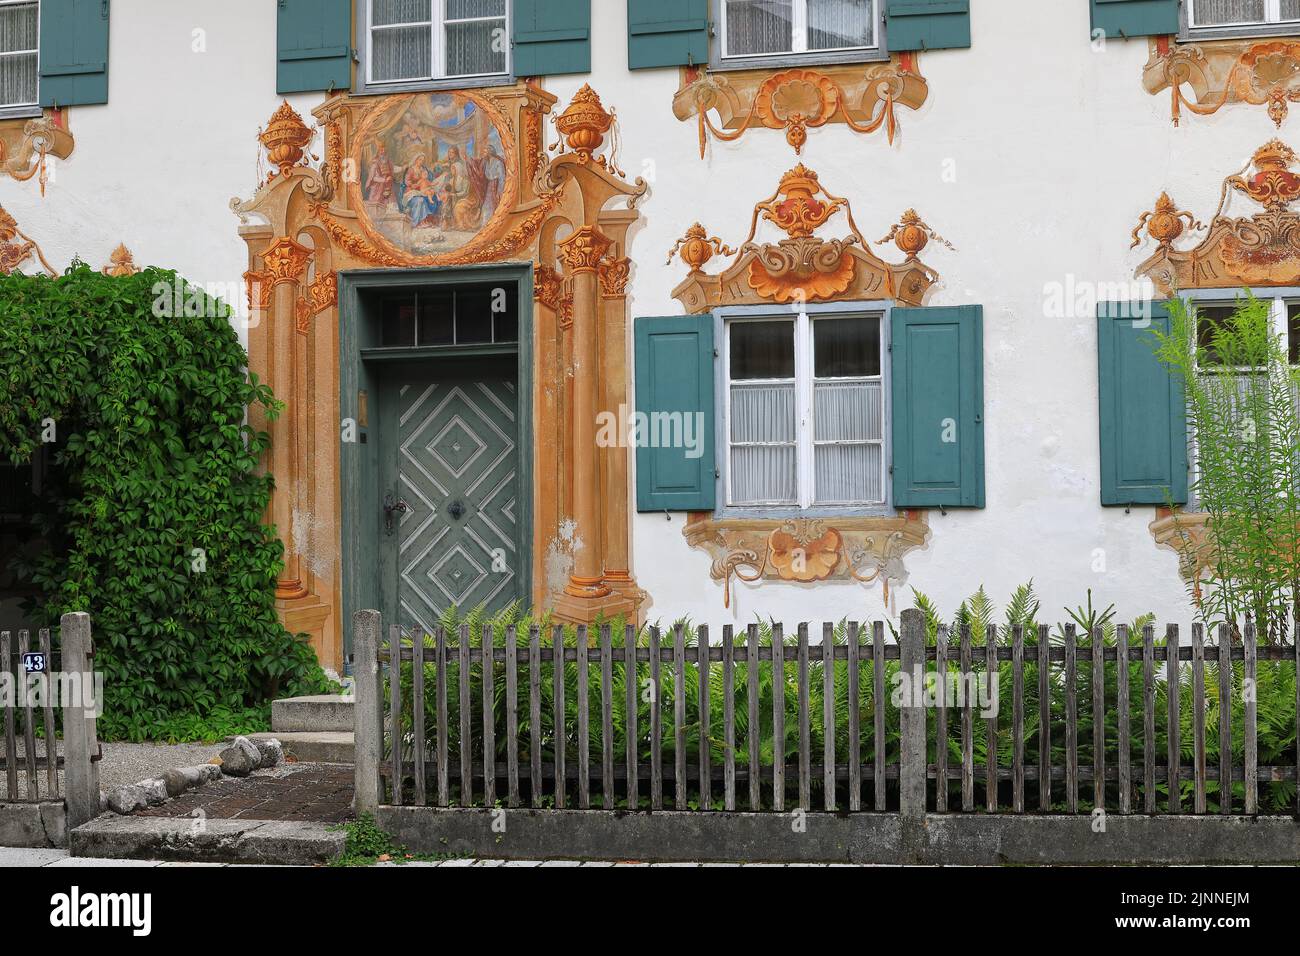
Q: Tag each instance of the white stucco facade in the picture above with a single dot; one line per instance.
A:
(1034, 155)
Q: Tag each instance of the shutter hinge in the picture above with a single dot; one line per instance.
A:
(715, 353)
(717, 472)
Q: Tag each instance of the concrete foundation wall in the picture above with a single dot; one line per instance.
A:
(857, 838)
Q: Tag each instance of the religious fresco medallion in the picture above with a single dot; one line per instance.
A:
(434, 176)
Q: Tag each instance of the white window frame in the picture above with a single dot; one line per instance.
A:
(802, 319)
(1280, 300)
(437, 24)
(10, 110)
(721, 60)
(1271, 25)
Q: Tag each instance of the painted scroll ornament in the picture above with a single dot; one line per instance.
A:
(1262, 249)
(800, 99)
(1257, 73)
(804, 267)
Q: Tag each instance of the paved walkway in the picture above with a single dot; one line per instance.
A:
(12, 857)
(60, 858)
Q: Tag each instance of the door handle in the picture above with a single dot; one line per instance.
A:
(456, 509)
(392, 505)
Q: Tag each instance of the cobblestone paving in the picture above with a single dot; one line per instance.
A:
(317, 793)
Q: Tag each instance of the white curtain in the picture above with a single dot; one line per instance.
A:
(848, 432)
(18, 72)
(470, 45)
(398, 52)
(763, 456)
(759, 26)
(840, 23)
(1214, 12)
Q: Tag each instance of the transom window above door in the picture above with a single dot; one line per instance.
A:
(805, 410)
(1241, 17)
(409, 41)
(438, 315)
(750, 29)
(19, 34)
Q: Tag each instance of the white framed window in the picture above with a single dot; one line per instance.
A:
(1240, 16)
(806, 29)
(413, 41)
(805, 417)
(1212, 311)
(19, 53)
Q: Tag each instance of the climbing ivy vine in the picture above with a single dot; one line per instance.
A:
(135, 390)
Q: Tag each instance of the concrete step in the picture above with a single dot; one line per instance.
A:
(330, 746)
(217, 841)
(321, 713)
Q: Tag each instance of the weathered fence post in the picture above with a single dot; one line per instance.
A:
(367, 729)
(80, 743)
(912, 749)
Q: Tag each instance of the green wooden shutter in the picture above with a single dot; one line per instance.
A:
(1143, 415)
(927, 24)
(314, 45)
(667, 33)
(74, 52)
(674, 374)
(552, 37)
(937, 369)
(1135, 18)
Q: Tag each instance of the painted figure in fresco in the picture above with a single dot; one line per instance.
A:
(493, 171)
(456, 193)
(421, 200)
(379, 178)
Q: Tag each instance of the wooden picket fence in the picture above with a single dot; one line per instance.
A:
(67, 741)
(893, 751)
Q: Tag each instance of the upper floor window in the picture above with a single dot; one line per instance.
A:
(409, 41)
(805, 410)
(1242, 16)
(808, 29)
(19, 32)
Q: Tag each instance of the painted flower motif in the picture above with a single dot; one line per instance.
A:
(798, 560)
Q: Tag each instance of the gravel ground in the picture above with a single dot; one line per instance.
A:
(127, 763)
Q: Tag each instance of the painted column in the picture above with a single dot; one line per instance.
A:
(582, 253)
(285, 263)
(613, 285)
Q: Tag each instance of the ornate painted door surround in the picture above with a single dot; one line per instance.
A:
(417, 181)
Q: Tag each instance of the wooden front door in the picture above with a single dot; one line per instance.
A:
(451, 529)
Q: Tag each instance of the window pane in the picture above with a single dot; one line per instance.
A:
(402, 53)
(18, 79)
(833, 24)
(763, 474)
(847, 411)
(762, 413)
(1291, 9)
(762, 350)
(383, 12)
(468, 9)
(1208, 319)
(759, 26)
(1293, 330)
(437, 319)
(1215, 12)
(849, 474)
(18, 28)
(476, 47)
(398, 327)
(475, 317)
(844, 348)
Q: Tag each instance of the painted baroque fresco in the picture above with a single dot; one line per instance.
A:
(434, 174)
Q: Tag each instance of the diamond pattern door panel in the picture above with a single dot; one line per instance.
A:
(457, 471)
